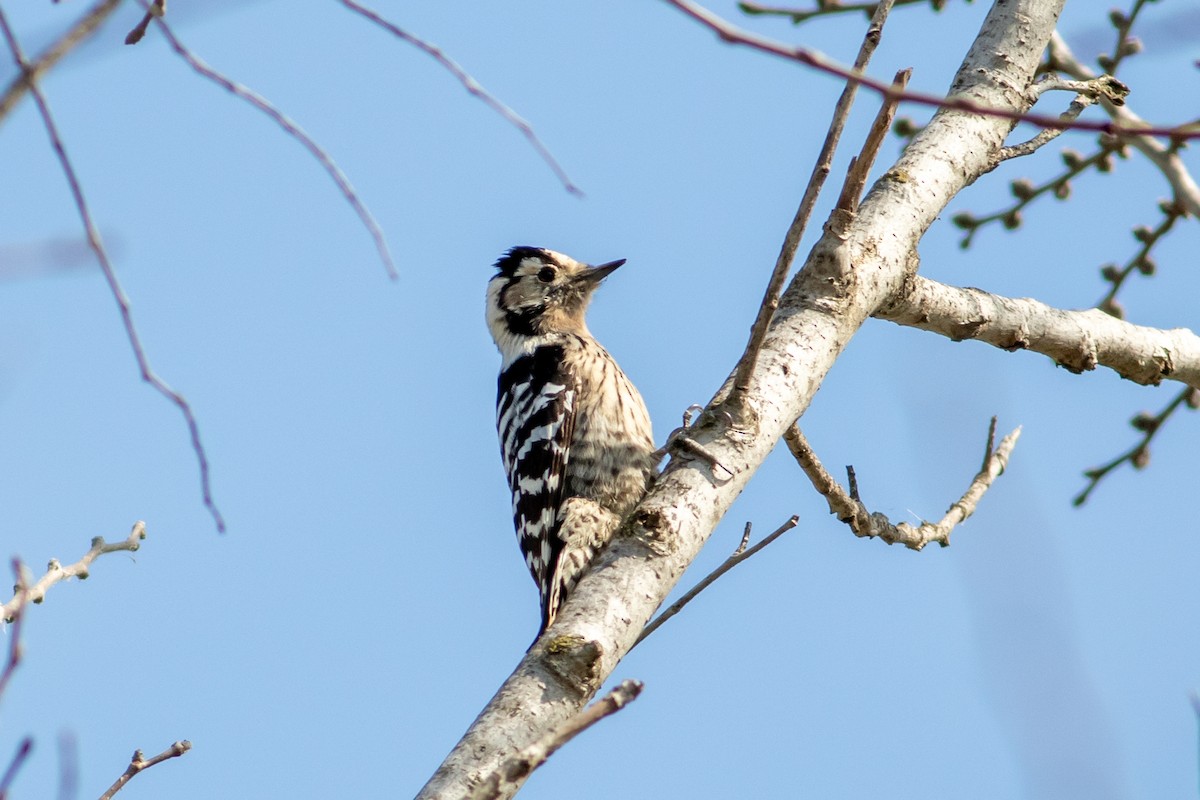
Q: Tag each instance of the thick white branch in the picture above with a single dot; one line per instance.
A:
(1077, 340)
(860, 262)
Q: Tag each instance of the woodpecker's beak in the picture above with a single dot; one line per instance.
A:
(594, 275)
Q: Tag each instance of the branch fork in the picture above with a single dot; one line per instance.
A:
(864, 523)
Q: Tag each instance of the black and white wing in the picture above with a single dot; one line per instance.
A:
(535, 417)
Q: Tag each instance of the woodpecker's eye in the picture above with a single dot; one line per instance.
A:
(546, 274)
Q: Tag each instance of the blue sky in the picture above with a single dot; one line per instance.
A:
(369, 597)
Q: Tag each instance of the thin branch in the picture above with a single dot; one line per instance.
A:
(1141, 261)
(68, 766)
(1078, 341)
(1088, 93)
(139, 763)
(1026, 192)
(56, 572)
(731, 34)
(474, 88)
(738, 556)
(1139, 455)
(849, 509)
(16, 617)
(1165, 157)
(515, 770)
(791, 240)
(825, 8)
(157, 9)
(110, 275)
(80, 31)
(292, 129)
(1125, 45)
(14, 766)
(1101, 87)
(846, 505)
(860, 166)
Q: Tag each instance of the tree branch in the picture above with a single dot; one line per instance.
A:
(1087, 93)
(1165, 157)
(739, 555)
(1076, 340)
(156, 9)
(513, 772)
(860, 165)
(88, 24)
(1139, 454)
(850, 509)
(1141, 261)
(56, 572)
(16, 616)
(14, 766)
(729, 33)
(140, 763)
(110, 275)
(848, 275)
(291, 128)
(824, 8)
(474, 88)
(795, 231)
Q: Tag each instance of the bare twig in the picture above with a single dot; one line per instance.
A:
(290, 127)
(156, 9)
(1087, 93)
(860, 166)
(1102, 87)
(473, 87)
(81, 30)
(16, 616)
(68, 766)
(139, 763)
(849, 509)
(1125, 45)
(738, 556)
(516, 769)
(56, 572)
(110, 275)
(1026, 192)
(824, 8)
(14, 766)
(846, 506)
(731, 34)
(1141, 261)
(1139, 455)
(851, 480)
(791, 240)
(1164, 156)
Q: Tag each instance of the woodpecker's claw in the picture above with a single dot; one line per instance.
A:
(679, 441)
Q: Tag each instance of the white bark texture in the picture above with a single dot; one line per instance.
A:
(860, 263)
(1076, 340)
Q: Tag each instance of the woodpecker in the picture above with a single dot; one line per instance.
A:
(575, 435)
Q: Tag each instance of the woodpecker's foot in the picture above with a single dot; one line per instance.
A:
(680, 442)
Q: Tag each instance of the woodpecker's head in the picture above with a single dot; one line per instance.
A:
(537, 292)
